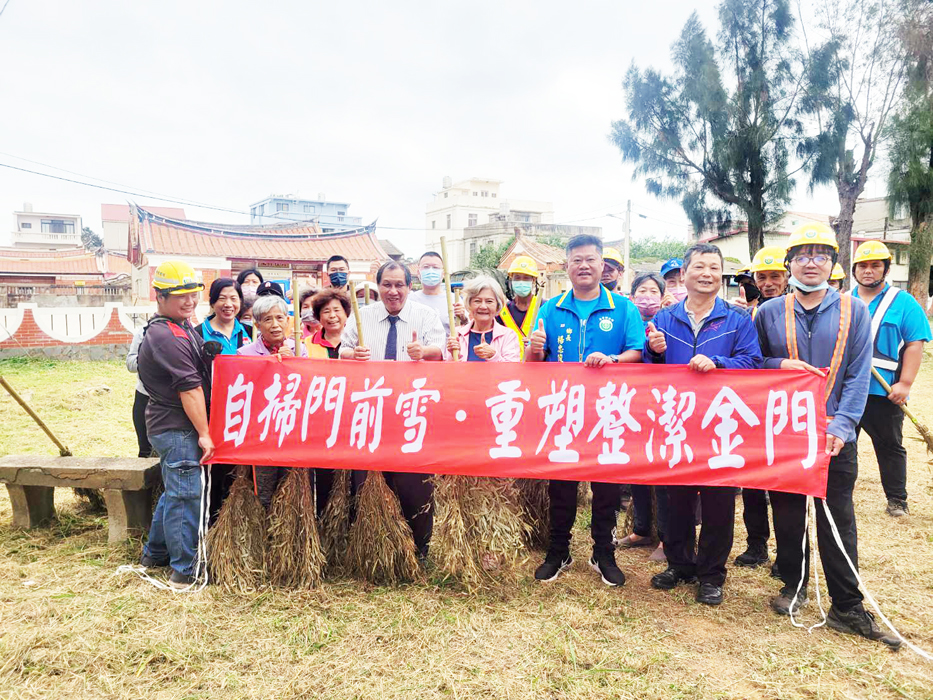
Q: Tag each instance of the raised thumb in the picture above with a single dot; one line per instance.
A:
(651, 328)
(414, 336)
(541, 324)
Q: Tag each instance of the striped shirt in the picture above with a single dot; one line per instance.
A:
(413, 318)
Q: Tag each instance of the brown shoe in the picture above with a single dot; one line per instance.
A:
(861, 622)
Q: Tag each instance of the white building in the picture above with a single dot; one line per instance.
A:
(115, 220)
(46, 231)
(474, 202)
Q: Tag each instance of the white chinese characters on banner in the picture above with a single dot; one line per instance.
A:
(367, 416)
(331, 395)
(723, 406)
(561, 405)
(283, 411)
(674, 413)
(615, 415)
(237, 411)
(506, 411)
(411, 405)
(802, 418)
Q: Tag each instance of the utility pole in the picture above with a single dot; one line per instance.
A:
(627, 274)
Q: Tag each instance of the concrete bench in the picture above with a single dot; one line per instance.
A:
(127, 483)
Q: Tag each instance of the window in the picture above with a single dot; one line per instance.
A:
(897, 256)
(448, 221)
(445, 195)
(281, 206)
(472, 249)
(485, 193)
(433, 224)
(341, 213)
(475, 193)
(25, 225)
(57, 226)
(493, 195)
(309, 208)
(471, 220)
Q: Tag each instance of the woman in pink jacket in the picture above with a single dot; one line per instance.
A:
(484, 340)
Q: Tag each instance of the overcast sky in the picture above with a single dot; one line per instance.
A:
(371, 103)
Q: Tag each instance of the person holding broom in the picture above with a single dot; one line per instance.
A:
(899, 330)
(593, 325)
(812, 327)
(397, 329)
(176, 376)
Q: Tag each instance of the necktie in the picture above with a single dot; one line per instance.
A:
(392, 340)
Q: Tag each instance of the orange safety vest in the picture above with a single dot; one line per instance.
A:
(845, 320)
(527, 326)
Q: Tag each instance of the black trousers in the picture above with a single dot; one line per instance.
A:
(416, 496)
(755, 515)
(706, 559)
(884, 423)
(139, 423)
(323, 482)
(563, 512)
(641, 502)
(789, 514)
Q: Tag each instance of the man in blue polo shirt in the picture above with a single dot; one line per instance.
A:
(899, 328)
(593, 325)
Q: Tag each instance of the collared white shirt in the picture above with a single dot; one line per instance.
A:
(413, 318)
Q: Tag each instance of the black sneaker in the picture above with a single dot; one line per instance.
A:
(897, 508)
(709, 594)
(781, 604)
(753, 557)
(670, 578)
(178, 581)
(554, 564)
(605, 564)
(861, 622)
(148, 562)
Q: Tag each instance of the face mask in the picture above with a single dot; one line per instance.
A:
(751, 291)
(679, 293)
(249, 289)
(807, 288)
(431, 276)
(611, 286)
(647, 305)
(521, 289)
(338, 279)
(308, 317)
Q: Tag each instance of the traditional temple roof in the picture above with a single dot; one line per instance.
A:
(292, 242)
(75, 261)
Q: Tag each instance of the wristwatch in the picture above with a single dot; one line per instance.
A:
(614, 358)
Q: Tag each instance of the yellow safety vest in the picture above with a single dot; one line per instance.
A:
(527, 326)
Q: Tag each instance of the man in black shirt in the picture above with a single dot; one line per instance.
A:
(177, 377)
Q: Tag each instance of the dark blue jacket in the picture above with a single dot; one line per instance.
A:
(727, 337)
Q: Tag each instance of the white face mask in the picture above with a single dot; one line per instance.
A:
(808, 288)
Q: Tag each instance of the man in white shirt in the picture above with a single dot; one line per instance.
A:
(396, 329)
(432, 293)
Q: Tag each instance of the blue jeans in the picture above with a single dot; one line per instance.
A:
(173, 535)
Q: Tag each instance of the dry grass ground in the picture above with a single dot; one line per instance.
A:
(71, 627)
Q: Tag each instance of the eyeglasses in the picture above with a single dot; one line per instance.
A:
(817, 259)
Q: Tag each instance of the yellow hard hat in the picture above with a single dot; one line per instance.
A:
(838, 273)
(523, 265)
(176, 277)
(871, 250)
(613, 255)
(813, 233)
(769, 258)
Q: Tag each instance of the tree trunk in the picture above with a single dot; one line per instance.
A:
(921, 251)
(756, 237)
(844, 233)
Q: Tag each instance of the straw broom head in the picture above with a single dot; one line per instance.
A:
(295, 557)
(380, 546)
(236, 544)
(335, 523)
(535, 504)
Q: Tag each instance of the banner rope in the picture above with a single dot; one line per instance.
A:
(200, 571)
(814, 550)
(871, 599)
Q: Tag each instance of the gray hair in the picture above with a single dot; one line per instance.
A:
(267, 303)
(476, 285)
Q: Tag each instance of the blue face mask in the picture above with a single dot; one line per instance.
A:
(431, 276)
(521, 289)
(338, 279)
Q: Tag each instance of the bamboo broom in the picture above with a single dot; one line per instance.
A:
(921, 428)
(380, 543)
(237, 543)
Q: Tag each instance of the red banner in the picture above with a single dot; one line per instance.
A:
(632, 424)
